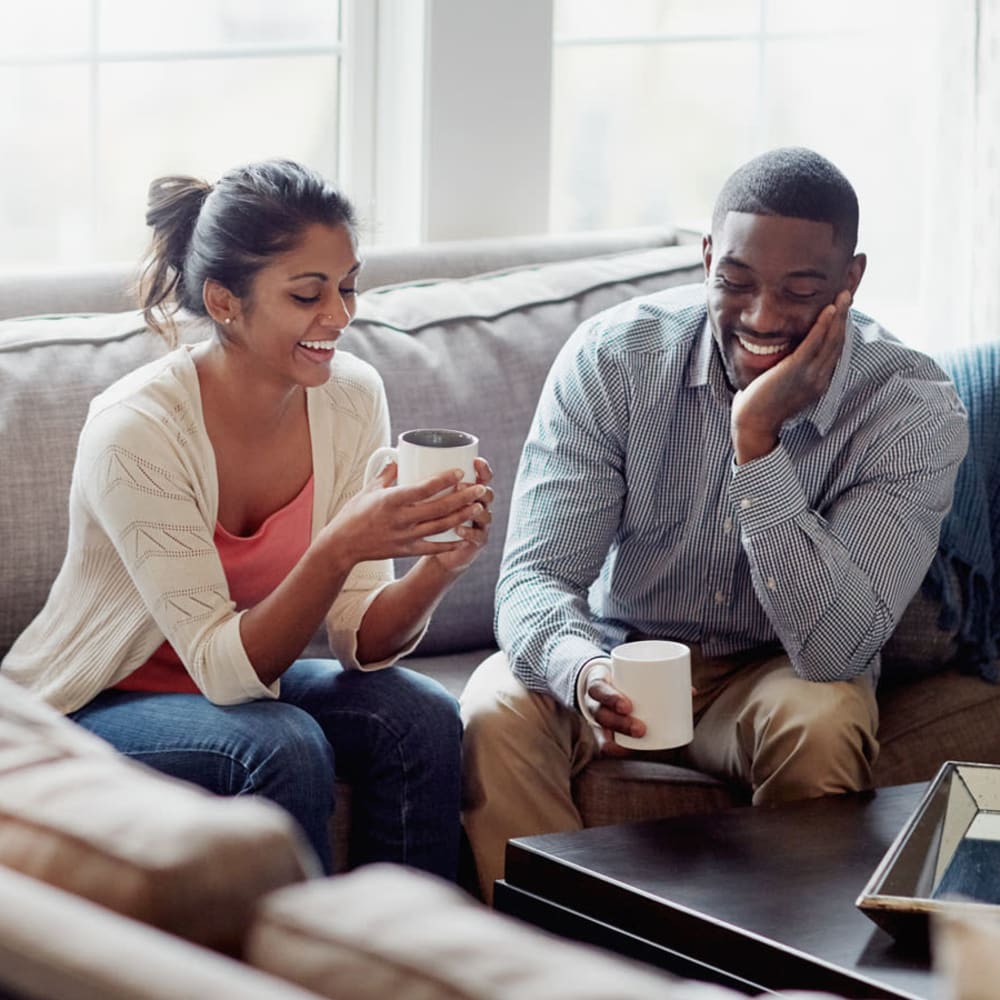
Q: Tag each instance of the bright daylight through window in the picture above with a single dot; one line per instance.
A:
(655, 102)
(101, 96)
(648, 104)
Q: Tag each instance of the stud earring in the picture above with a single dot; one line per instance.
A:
(228, 320)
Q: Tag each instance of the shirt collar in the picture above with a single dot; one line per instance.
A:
(705, 368)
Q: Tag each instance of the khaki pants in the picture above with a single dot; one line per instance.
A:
(756, 723)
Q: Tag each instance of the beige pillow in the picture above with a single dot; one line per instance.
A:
(80, 817)
(386, 931)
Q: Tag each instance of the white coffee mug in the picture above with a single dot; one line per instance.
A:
(656, 676)
(425, 452)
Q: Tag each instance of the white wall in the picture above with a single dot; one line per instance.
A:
(487, 118)
(446, 105)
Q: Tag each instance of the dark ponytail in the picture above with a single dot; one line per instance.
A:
(174, 204)
(228, 232)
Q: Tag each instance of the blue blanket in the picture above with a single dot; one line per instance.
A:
(970, 535)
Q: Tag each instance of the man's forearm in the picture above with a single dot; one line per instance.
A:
(834, 585)
(547, 634)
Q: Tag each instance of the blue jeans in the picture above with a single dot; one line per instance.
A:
(394, 734)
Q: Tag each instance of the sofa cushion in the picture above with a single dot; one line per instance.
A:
(946, 716)
(385, 931)
(110, 287)
(926, 640)
(473, 353)
(77, 815)
(629, 789)
(50, 369)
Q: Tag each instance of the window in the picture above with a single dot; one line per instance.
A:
(655, 102)
(619, 114)
(101, 96)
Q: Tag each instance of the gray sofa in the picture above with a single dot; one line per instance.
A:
(463, 335)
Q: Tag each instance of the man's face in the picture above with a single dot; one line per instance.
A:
(769, 277)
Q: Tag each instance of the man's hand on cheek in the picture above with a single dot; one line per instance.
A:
(781, 392)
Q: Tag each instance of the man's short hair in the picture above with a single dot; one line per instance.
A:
(794, 182)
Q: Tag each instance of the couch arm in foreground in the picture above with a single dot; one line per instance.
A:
(54, 944)
(385, 931)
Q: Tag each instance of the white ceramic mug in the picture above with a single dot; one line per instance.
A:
(656, 676)
(425, 452)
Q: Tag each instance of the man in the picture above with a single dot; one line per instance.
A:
(746, 466)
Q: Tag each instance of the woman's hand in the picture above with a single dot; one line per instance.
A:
(475, 535)
(396, 616)
(384, 521)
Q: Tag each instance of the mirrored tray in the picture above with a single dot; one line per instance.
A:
(946, 856)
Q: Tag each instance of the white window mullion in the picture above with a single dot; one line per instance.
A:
(401, 123)
(381, 165)
(358, 86)
(94, 125)
(762, 123)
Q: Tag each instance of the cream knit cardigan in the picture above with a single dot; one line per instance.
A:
(141, 563)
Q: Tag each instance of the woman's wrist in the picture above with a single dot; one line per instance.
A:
(447, 574)
(332, 552)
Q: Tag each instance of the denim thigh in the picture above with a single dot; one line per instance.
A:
(394, 734)
(397, 738)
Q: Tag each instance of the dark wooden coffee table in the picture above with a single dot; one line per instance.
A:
(759, 899)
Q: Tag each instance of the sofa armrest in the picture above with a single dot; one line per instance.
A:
(79, 816)
(54, 944)
(386, 931)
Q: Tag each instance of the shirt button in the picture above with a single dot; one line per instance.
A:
(772, 584)
(720, 597)
(727, 525)
(745, 503)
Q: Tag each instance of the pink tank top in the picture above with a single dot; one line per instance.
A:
(254, 566)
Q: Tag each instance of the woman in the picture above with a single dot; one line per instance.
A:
(218, 516)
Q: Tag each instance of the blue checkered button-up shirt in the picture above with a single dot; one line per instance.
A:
(630, 515)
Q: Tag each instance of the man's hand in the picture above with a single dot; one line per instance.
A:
(790, 386)
(613, 711)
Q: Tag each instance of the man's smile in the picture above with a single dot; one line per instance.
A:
(767, 348)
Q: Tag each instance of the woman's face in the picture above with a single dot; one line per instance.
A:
(298, 306)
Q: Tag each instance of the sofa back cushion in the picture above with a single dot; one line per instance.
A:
(472, 354)
(50, 369)
(469, 353)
